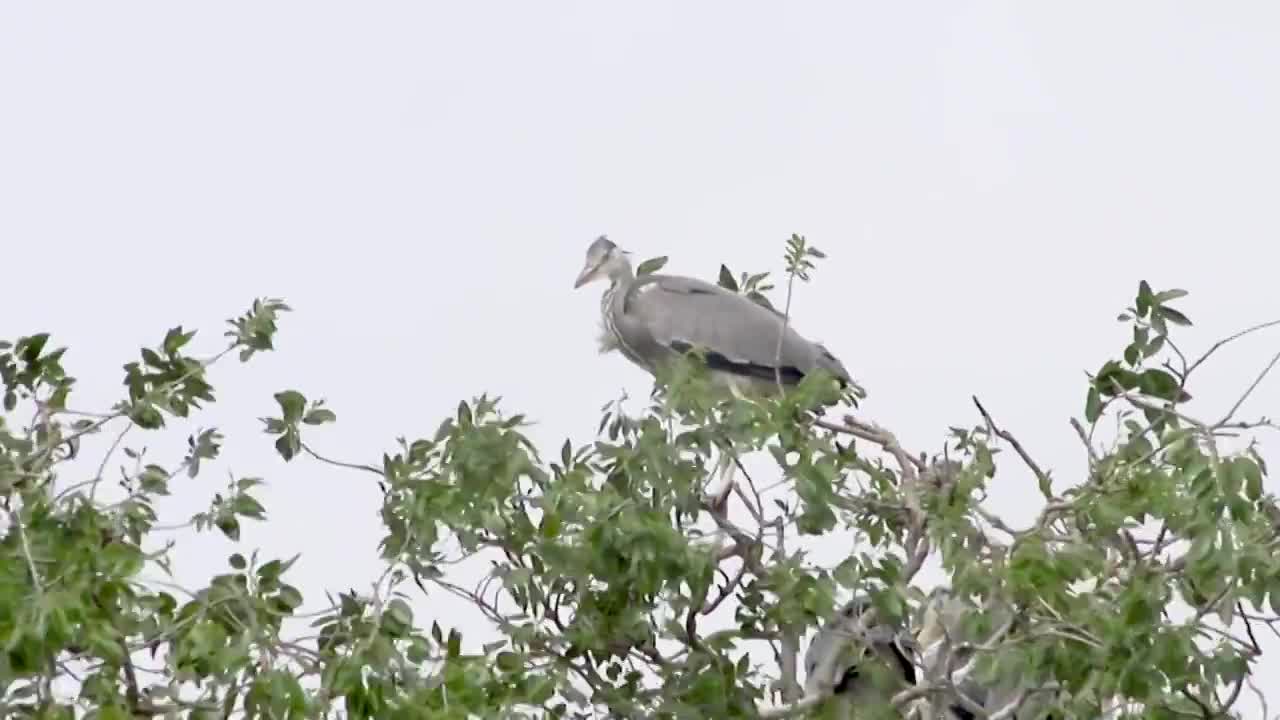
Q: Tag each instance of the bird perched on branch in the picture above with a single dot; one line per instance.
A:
(654, 318)
(946, 640)
(747, 348)
(865, 665)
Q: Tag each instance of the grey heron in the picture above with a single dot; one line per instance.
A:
(876, 662)
(655, 318)
(946, 640)
(873, 665)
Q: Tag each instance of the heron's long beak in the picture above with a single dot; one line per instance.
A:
(587, 275)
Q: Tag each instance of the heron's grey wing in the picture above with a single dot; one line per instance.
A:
(850, 676)
(739, 335)
(944, 614)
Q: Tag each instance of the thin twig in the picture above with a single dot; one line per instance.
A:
(1247, 393)
(874, 434)
(757, 508)
(132, 695)
(726, 591)
(102, 467)
(338, 463)
(790, 643)
(1216, 346)
(26, 553)
(1248, 626)
(786, 320)
(1007, 436)
(1225, 705)
(1084, 438)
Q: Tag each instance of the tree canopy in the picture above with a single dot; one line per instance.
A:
(621, 581)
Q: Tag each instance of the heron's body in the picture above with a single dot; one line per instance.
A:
(945, 641)
(873, 665)
(652, 319)
(876, 663)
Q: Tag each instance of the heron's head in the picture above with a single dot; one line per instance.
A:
(604, 259)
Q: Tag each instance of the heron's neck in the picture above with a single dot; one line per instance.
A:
(620, 272)
(620, 276)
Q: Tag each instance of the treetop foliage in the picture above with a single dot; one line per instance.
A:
(620, 581)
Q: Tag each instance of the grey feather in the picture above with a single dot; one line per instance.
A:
(875, 664)
(945, 614)
(654, 318)
(681, 313)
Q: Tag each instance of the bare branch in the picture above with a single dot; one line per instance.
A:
(1084, 438)
(1258, 380)
(338, 463)
(26, 554)
(1218, 345)
(790, 645)
(132, 694)
(874, 434)
(1041, 476)
(102, 467)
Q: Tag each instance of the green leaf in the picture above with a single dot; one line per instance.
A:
(290, 597)
(1252, 475)
(238, 562)
(418, 651)
(1232, 477)
(229, 526)
(726, 279)
(146, 416)
(1112, 374)
(1165, 296)
(400, 611)
(112, 712)
(1144, 299)
(550, 525)
(150, 357)
(292, 403)
(319, 416)
(1155, 346)
(652, 265)
(288, 444)
(1173, 316)
(760, 299)
(121, 559)
(1158, 383)
(1093, 405)
(509, 661)
(32, 346)
(1131, 355)
(249, 507)
(175, 339)
(273, 569)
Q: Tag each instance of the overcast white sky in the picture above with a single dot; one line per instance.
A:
(420, 180)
